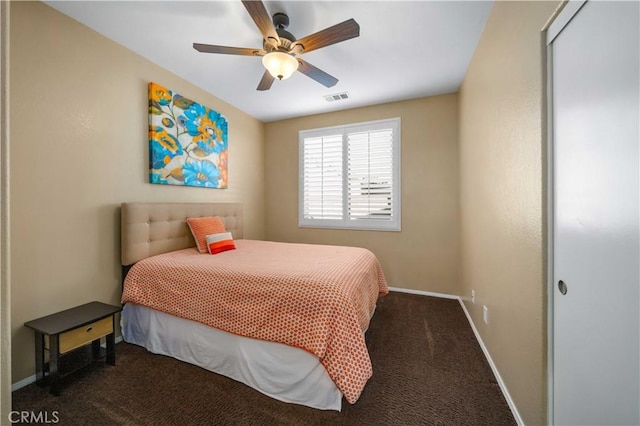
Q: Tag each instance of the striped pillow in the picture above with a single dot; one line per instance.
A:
(217, 243)
(203, 226)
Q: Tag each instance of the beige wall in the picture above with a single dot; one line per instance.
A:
(502, 178)
(79, 148)
(425, 254)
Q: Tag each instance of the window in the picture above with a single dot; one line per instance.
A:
(350, 176)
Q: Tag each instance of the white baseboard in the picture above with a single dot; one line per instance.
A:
(32, 379)
(503, 386)
(423, 293)
(22, 383)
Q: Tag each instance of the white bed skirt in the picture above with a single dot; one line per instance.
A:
(282, 372)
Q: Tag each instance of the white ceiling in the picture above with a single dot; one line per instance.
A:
(406, 49)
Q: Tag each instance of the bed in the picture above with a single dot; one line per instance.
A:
(286, 319)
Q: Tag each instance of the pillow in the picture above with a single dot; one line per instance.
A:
(217, 243)
(203, 226)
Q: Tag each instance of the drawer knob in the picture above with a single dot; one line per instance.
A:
(89, 329)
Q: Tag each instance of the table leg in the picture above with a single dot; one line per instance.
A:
(53, 364)
(95, 349)
(111, 349)
(39, 359)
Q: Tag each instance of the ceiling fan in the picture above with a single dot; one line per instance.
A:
(280, 47)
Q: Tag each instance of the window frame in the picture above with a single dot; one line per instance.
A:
(345, 223)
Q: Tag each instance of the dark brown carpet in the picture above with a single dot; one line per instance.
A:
(428, 370)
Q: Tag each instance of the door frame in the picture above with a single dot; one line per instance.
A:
(559, 22)
(5, 273)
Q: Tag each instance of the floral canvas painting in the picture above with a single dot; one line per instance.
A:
(187, 141)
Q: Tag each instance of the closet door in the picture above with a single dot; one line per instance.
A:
(596, 240)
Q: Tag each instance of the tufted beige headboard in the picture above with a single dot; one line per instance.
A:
(153, 228)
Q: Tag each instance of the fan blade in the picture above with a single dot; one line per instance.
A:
(263, 21)
(340, 32)
(266, 81)
(317, 74)
(210, 48)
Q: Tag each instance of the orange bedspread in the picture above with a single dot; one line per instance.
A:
(315, 297)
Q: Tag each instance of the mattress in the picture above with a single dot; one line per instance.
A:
(282, 372)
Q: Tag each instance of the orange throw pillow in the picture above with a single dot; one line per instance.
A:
(203, 226)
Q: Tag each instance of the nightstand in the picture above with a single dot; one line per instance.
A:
(72, 340)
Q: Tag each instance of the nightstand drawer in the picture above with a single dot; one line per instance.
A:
(83, 335)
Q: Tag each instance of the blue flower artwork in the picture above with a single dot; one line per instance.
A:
(187, 141)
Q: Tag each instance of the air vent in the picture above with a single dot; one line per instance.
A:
(337, 97)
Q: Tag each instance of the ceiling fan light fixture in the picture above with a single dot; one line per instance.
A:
(280, 65)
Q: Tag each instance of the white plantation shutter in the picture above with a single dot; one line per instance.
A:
(370, 165)
(350, 176)
(322, 160)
